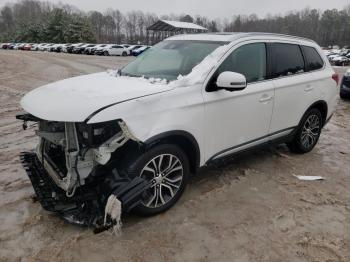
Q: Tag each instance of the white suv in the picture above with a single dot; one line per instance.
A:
(116, 50)
(186, 102)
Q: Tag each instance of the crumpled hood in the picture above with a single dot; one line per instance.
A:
(75, 99)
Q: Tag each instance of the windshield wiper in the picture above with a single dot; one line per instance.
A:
(128, 74)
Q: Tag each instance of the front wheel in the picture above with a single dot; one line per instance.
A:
(106, 53)
(167, 168)
(124, 54)
(308, 132)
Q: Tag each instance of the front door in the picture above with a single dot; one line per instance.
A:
(239, 119)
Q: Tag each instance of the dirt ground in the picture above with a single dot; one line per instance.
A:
(250, 208)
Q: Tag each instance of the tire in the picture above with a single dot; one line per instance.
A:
(163, 194)
(105, 53)
(124, 54)
(306, 138)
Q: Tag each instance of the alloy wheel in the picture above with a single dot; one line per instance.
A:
(311, 131)
(166, 173)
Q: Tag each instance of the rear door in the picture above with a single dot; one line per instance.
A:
(294, 89)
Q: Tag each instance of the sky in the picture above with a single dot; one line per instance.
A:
(212, 8)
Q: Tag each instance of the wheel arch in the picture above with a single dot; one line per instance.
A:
(323, 107)
(186, 141)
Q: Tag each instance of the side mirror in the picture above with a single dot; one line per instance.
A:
(231, 81)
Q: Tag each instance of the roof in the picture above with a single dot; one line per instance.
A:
(229, 37)
(166, 25)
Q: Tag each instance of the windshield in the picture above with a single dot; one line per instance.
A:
(170, 58)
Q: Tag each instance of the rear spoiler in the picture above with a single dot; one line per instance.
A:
(26, 117)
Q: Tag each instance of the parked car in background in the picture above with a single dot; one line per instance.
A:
(132, 47)
(100, 50)
(97, 47)
(139, 51)
(12, 46)
(64, 48)
(27, 47)
(117, 50)
(34, 47)
(40, 47)
(47, 48)
(69, 49)
(90, 50)
(55, 48)
(5, 45)
(244, 89)
(341, 61)
(345, 85)
(20, 46)
(61, 47)
(80, 49)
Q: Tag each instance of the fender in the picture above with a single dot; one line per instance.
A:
(322, 106)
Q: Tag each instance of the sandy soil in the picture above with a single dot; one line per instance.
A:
(250, 208)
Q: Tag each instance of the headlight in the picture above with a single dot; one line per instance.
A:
(93, 135)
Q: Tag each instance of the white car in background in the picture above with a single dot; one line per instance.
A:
(341, 61)
(40, 47)
(187, 102)
(90, 50)
(332, 56)
(47, 47)
(34, 47)
(117, 50)
(100, 50)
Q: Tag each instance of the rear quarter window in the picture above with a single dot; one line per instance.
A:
(287, 59)
(313, 58)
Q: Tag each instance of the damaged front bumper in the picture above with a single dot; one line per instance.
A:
(87, 206)
(53, 198)
(72, 176)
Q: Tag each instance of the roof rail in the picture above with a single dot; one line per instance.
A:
(247, 34)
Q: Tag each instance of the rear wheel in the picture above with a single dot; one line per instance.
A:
(167, 168)
(308, 132)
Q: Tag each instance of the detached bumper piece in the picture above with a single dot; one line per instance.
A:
(50, 196)
(87, 206)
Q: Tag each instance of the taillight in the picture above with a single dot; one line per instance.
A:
(335, 77)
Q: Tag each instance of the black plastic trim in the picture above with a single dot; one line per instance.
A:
(249, 142)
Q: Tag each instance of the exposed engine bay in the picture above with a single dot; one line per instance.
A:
(73, 172)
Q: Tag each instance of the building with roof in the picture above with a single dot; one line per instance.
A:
(165, 28)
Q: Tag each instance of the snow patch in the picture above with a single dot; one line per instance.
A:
(186, 25)
(309, 178)
(152, 80)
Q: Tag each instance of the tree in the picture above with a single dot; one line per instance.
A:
(35, 21)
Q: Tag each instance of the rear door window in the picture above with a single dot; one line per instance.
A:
(313, 59)
(287, 60)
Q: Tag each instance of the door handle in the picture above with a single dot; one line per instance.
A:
(265, 98)
(308, 88)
